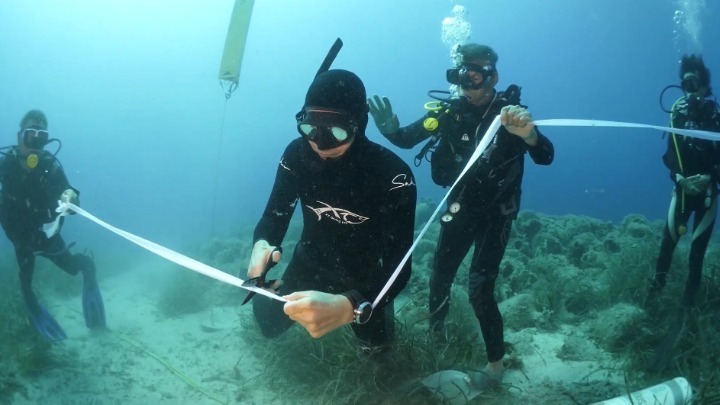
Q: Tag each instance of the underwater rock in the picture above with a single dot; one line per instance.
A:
(580, 245)
(611, 323)
(547, 244)
(529, 229)
(519, 278)
(585, 297)
(519, 312)
(636, 226)
(611, 245)
(507, 267)
(593, 260)
(520, 245)
(575, 348)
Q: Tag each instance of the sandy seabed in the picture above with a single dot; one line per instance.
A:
(198, 358)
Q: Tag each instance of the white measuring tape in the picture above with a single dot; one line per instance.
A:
(487, 137)
(162, 251)
(194, 265)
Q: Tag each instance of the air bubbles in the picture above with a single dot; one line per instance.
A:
(459, 10)
(687, 30)
(456, 29)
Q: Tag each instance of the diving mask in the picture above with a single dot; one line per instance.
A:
(35, 138)
(469, 75)
(328, 128)
(690, 83)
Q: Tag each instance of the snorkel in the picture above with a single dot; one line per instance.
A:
(324, 67)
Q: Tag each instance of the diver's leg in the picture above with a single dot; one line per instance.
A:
(93, 306)
(702, 231)
(662, 267)
(55, 250)
(455, 240)
(489, 251)
(41, 319)
(26, 262)
(671, 234)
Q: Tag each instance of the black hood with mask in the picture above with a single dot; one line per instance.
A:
(342, 90)
(336, 89)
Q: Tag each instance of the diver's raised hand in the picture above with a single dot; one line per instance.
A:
(518, 121)
(382, 113)
(260, 256)
(318, 312)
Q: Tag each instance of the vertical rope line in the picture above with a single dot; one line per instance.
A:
(217, 167)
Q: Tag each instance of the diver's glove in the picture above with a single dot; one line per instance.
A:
(381, 110)
(69, 196)
(692, 185)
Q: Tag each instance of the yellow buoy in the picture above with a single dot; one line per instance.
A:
(235, 45)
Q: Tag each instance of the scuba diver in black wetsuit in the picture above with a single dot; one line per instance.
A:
(695, 169)
(483, 206)
(358, 205)
(32, 183)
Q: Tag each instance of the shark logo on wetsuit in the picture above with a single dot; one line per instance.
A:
(339, 215)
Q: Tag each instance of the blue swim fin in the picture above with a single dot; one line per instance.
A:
(92, 301)
(44, 323)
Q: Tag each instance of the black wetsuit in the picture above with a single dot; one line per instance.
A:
(689, 156)
(358, 223)
(28, 200)
(489, 198)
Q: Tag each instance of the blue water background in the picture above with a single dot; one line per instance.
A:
(131, 89)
